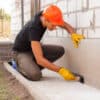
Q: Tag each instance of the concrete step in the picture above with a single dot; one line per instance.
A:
(53, 87)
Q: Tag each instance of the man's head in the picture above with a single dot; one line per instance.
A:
(52, 16)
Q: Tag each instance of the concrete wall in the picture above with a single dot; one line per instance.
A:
(5, 50)
(84, 16)
(16, 20)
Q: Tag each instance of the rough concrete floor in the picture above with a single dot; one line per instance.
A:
(10, 88)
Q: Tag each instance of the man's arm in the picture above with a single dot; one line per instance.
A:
(41, 60)
(37, 51)
(76, 38)
(68, 27)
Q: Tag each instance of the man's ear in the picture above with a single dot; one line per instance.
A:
(44, 19)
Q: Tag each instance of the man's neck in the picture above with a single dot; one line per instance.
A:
(43, 21)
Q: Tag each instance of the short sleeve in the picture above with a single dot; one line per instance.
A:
(35, 34)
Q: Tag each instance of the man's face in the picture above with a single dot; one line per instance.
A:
(50, 26)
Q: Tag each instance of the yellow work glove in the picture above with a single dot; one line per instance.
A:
(76, 38)
(66, 74)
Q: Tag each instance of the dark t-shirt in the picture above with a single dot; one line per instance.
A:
(32, 31)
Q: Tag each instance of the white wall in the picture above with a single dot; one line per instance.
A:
(16, 16)
(16, 20)
(84, 16)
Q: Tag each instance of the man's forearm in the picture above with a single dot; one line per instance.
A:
(47, 64)
(68, 27)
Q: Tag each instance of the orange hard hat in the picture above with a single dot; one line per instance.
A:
(53, 14)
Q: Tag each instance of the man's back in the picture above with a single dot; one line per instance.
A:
(32, 30)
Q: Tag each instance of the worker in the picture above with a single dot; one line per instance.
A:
(32, 55)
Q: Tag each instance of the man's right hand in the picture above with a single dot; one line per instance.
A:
(66, 74)
(76, 38)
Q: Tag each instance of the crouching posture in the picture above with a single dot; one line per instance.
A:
(33, 56)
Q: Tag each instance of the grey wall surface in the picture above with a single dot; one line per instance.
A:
(84, 60)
